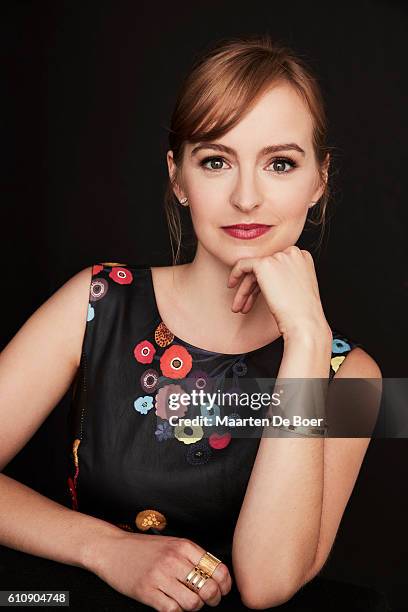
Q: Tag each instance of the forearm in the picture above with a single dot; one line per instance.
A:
(37, 525)
(277, 532)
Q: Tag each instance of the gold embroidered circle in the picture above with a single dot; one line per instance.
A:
(150, 519)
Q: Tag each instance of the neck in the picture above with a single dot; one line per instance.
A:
(203, 283)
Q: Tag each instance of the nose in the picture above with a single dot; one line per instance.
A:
(246, 207)
(246, 196)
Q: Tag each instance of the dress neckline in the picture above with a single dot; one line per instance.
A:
(192, 347)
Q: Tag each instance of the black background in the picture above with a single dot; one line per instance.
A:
(90, 88)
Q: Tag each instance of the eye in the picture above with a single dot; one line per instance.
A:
(217, 160)
(280, 162)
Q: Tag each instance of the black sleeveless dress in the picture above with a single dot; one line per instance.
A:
(129, 466)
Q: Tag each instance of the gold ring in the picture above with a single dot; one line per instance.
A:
(203, 570)
(209, 563)
(196, 579)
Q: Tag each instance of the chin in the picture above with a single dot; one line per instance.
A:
(229, 256)
(253, 250)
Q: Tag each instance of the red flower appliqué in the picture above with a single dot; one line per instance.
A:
(176, 362)
(121, 275)
(219, 441)
(144, 352)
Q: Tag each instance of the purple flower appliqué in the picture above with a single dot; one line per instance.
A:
(164, 431)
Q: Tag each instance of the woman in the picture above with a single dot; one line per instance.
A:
(174, 516)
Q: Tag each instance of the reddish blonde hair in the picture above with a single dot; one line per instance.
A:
(220, 88)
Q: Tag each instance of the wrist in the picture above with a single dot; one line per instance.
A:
(310, 334)
(307, 353)
(98, 538)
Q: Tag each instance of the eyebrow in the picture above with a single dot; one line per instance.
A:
(291, 146)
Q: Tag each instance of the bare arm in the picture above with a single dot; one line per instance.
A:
(37, 525)
(298, 490)
(37, 368)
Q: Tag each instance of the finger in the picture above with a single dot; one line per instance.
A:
(234, 277)
(222, 577)
(242, 295)
(221, 574)
(241, 267)
(161, 601)
(245, 289)
(251, 300)
(210, 592)
(185, 597)
(242, 299)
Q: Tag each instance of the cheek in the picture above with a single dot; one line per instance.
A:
(209, 204)
(205, 192)
(292, 199)
(205, 216)
(292, 209)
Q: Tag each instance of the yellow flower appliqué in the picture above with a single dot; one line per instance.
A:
(336, 362)
(195, 436)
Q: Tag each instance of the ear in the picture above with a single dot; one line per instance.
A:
(322, 186)
(172, 172)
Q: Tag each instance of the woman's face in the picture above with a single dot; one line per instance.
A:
(234, 180)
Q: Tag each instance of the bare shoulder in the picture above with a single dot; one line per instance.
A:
(55, 329)
(359, 364)
(40, 362)
(59, 321)
(70, 302)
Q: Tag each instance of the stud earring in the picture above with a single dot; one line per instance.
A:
(311, 204)
(184, 201)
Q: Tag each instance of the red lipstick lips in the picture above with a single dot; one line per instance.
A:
(246, 231)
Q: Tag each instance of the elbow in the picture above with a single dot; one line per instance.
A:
(261, 597)
(261, 588)
(275, 593)
(262, 600)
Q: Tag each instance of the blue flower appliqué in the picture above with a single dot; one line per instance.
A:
(143, 404)
(340, 346)
(91, 313)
